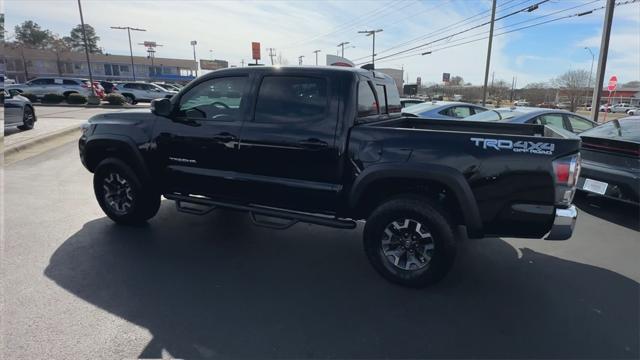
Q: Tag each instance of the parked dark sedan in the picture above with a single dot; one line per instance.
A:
(443, 110)
(18, 110)
(561, 119)
(611, 160)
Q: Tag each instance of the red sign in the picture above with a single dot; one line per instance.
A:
(255, 50)
(613, 83)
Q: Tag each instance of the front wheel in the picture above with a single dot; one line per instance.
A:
(28, 119)
(409, 241)
(121, 194)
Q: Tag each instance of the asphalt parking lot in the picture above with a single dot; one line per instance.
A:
(215, 286)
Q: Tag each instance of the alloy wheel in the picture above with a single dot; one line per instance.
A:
(118, 193)
(407, 244)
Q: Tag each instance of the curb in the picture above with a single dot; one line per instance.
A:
(50, 137)
(89, 106)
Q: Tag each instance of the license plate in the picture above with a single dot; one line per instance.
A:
(595, 186)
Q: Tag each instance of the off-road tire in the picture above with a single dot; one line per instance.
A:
(142, 201)
(433, 220)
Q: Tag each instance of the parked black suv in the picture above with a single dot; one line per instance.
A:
(328, 146)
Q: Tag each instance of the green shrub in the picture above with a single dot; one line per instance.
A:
(115, 99)
(76, 99)
(30, 96)
(52, 98)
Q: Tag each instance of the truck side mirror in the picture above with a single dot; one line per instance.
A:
(161, 107)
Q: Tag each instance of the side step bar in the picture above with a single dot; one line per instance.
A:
(258, 210)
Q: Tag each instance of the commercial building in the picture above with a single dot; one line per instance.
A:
(397, 75)
(22, 64)
(622, 95)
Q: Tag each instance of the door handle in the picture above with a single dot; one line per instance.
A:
(313, 144)
(224, 137)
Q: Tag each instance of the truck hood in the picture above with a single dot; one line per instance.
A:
(131, 117)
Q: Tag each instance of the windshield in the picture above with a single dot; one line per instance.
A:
(624, 129)
(493, 115)
(420, 108)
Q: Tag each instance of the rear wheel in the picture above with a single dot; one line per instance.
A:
(129, 99)
(409, 241)
(28, 119)
(121, 194)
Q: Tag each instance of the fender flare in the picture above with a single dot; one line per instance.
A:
(122, 143)
(447, 176)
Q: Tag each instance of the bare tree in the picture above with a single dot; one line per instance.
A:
(572, 85)
(281, 60)
(536, 93)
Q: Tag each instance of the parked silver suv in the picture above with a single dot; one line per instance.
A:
(54, 85)
(141, 91)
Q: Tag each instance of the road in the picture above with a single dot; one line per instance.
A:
(77, 286)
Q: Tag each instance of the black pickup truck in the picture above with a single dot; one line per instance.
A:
(329, 146)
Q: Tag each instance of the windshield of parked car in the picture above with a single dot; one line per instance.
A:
(624, 129)
(493, 115)
(420, 108)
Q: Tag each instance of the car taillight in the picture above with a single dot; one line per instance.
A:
(566, 171)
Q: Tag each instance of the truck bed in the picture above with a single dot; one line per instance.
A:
(476, 127)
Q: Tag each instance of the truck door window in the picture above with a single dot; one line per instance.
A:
(554, 120)
(382, 98)
(367, 104)
(216, 99)
(579, 125)
(291, 99)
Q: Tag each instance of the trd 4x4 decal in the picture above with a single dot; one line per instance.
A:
(517, 146)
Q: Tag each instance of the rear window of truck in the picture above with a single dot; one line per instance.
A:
(367, 104)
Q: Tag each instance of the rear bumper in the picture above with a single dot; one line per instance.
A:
(563, 224)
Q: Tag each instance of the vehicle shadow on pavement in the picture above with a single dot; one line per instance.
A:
(617, 212)
(217, 286)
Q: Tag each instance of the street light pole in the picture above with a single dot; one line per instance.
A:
(373, 50)
(194, 43)
(300, 59)
(129, 28)
(86, 50)
(316, 52)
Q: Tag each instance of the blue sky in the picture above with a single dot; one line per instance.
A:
(297, 28)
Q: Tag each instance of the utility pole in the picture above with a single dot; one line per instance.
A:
(373, 50)
(193, 44)
(300, 59)
(342, 44)
(513, 83)
(242, 63)
(593, 58)
(271, 54)
(316, 52)
(86, 50)
(486, 70)
(129, 28)
(602, 59)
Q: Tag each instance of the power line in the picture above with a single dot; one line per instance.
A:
(621, 3)
(347, 25)
(503, 27)
(465, 30)
(445, 28)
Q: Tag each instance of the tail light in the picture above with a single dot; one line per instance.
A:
(566, 171)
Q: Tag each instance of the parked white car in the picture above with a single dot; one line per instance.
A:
(141, 91)
(622, 108)
(54, 85)
(635, 111)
